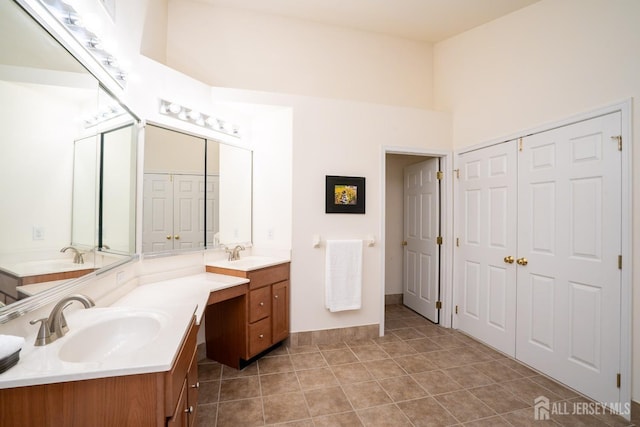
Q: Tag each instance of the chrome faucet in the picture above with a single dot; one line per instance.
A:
(234, 254)
(55, 326)
(77, 255)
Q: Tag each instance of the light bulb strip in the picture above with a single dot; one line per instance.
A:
(197, 118)
(72, 21)
(109, 112)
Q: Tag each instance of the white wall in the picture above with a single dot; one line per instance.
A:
(238, 49)
(543, 63)
(333, 137)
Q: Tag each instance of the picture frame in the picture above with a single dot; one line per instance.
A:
(345, 194)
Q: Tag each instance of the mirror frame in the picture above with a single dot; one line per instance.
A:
(58, 33)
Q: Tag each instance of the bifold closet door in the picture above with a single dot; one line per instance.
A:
(569, 240)
(484, 262)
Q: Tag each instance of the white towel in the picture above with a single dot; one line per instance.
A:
(343, 275)
(9, 344)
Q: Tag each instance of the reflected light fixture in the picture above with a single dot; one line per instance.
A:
(195, 117)
(73, 22)
(108, 112)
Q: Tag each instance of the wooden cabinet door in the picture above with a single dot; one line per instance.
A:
(180, 417)
(259, 304)
(280, 311)
(193, 386)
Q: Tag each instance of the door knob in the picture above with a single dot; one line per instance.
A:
(509, 259)
(168, 236)
(522, 261)
(404, 243)
(177, 237)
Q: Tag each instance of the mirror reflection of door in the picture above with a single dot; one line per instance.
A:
(173, 191)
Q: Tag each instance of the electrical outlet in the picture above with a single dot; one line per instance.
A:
(270, 234)
(37, 232)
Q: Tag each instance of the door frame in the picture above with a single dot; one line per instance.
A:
(626, 289)
(446, 224)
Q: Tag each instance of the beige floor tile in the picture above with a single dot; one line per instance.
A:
(206, 415)
(236, 413)
(408, 334)
(447, 341)
(369, 352)
(360, 343)
(415, 363)
(308, 361)
(332, 346)
(402, 388)
(423, 345)
(284, 407)
(209, 371)
(556, 388)
(383, 416)
(239, 388)
(436, 382)
(347, 419)
(209, 392)
(397, 348)
(387, 338)
(426, 412)
(497, 421)
(316, 378)
(286, 382)
(351, 373)
(228, 372)
(525, 418)
(326, 401)
(276, 364)
(339, 357)
(528, 390)
(498, 398)
(304, 349)
(464, 406)
(468, 376)
(384, 368)
(366, 394)
(497, 371)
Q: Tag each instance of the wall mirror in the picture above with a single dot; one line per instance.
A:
(67, 158)
(196, 192)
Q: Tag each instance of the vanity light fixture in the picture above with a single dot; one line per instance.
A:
(73, 22)
(195, 117)
(107, 112)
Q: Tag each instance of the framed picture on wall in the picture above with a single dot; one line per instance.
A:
(345, 194)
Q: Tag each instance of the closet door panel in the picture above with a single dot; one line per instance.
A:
(569, 205)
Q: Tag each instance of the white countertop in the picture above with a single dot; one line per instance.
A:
(177, 300)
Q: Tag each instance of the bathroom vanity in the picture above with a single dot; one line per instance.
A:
(243, 322)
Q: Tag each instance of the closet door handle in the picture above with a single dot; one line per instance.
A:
(177, 237)
(168, 236)
(509, 259)
(522, 261)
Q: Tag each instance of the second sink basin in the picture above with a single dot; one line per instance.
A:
(110, 333)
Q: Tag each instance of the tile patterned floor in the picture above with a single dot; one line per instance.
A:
(418, 374)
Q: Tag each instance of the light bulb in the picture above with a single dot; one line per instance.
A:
(174, 108)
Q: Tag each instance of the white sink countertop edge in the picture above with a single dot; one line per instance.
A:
(178, 298)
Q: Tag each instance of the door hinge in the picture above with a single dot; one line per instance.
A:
(618, 380)
(438, 305)
(620, 262)
(439, 240)
(457, 171)
(618, 138)
(520, 144)
(457, 241)
(456, 309)
(439, 175)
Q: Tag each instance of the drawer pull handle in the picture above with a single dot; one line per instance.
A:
(261, 336)
(196, 385)
(261, 304)
(189, 410)
(276, 296)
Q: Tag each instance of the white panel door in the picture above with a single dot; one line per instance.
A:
(188, 211)
(569, 211)
(485, 274)
(212, 189)
(421, 255)
(157, 211)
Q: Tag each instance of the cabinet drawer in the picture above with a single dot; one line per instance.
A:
(268, 275)
(259, 336)
(259, 304)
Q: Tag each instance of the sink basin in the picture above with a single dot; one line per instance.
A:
(252, 262)
(111, 334)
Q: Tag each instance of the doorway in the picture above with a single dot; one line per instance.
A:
(395, 160)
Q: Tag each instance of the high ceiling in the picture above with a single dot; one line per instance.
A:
(425, 20)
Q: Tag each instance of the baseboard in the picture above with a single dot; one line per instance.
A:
(334, 336)
(392, 299)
